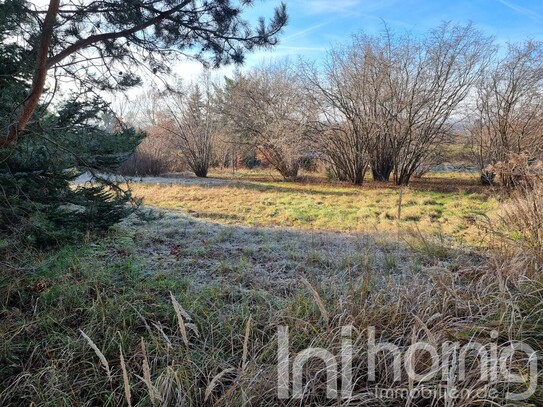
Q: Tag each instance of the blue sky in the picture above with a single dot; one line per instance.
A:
(318, 24)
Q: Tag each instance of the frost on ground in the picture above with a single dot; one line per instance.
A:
(173, 179)
(263, 258)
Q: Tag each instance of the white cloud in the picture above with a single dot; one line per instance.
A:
(522, 10)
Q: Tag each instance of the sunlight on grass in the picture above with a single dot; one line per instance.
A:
(325, 206)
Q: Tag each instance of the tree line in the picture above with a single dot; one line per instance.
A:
(387, 104)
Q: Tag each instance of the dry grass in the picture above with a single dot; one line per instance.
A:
(139, 289)
(184, 310)
(522, 219)
(325, 206)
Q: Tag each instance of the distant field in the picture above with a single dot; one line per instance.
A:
(446, 204)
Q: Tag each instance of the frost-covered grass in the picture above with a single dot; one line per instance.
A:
(183, 307)
(182, 311)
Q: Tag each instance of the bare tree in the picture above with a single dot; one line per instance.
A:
(268, 107)
(389, 101)
(156, 154)
(142, 111)
(507, 118)
(442, 70)
(192, 123)
(230, 143)
(345, 121)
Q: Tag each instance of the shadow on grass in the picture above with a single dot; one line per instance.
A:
(443, 184)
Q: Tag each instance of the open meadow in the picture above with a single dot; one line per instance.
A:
(446, 204)
(181, 303)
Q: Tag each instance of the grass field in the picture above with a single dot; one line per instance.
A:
(182, 305)
(434, 205)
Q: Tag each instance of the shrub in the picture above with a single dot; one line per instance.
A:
(250, 161)
(518, 170)
(155, 156)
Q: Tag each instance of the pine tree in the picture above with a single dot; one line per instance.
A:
(99, 43)
(96, 44)
(37, 199)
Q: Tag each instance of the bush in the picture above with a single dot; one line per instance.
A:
(310, 163)
(143, 164)
(250, 161)
(154, 156)
(518, 170)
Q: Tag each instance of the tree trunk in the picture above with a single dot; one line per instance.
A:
(40, 75)
(381, 162)
(358, 176)
(289, 172)
(201, 171)
(403, 178)
(381, 171)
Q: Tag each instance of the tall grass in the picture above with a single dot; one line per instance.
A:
(93, 326)
(522, 218)
(107, 345)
